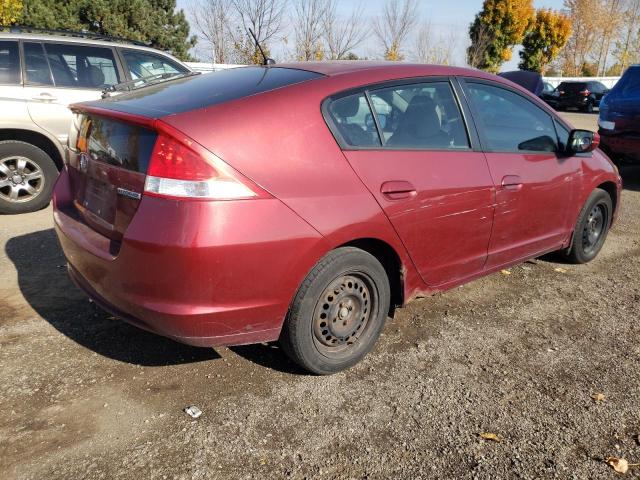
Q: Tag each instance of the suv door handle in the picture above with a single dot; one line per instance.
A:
(44, 97)
(511, 182)
(397, 189)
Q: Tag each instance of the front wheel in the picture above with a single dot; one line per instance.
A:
(589, 107)
(338, 312)
(592, 227)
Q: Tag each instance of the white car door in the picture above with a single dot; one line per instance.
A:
(59, 74)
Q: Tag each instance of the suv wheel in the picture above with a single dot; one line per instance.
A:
(27, 175)
(338, 312)
(589, 107)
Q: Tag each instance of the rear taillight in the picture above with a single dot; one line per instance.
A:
(586, 93)
(180, 168)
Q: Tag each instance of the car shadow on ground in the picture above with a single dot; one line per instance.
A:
(46, 286)
(630, 174)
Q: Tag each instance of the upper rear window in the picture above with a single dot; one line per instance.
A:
(9, 63)
(630, 81)
(572, 86)
(117, 143)
(192, 93)
(80, 66)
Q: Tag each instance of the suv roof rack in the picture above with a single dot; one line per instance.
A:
(70, 33)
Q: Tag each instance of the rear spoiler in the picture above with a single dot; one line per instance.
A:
(531, 81)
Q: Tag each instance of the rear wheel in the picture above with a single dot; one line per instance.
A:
(338, 312)
(27, 175)
(592, 227)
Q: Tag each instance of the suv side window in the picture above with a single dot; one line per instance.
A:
(82, 66)
(352, 117)
(36, 65)
(510, 122)
(9, 63)
(143, 64)
(424, 115)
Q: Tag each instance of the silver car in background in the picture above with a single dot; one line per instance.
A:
(41, 74)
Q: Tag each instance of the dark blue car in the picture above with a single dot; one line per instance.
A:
(619, 118)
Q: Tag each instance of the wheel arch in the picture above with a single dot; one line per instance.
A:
(391, 262)
(612, 190)
(37, 139)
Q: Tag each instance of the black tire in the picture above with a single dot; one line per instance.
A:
(589, 107)
(338, 312)
(38, 174)
(592, 228)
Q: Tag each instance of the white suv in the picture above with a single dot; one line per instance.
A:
(40, 76)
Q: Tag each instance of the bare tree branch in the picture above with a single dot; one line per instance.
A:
(307, 27)
(394, 25)
(212, 21)
(342, 35)
(264, 17)
(478, 48)
(428, 49)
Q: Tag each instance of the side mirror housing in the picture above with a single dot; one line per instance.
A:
(582, 141)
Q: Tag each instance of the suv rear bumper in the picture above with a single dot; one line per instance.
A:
(626, 144)
(202, 273)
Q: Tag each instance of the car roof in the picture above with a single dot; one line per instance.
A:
(45, 37)
(341, 67)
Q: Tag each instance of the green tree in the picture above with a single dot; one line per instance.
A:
(10, 11)
(155, 22)
(496, 29)
(544, 40)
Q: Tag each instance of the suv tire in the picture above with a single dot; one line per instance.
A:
(27, 175)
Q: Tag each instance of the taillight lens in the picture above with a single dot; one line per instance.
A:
(586, 93)
(183, 169)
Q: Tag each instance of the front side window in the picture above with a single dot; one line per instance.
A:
(142, 64)
(510, 122)
(422, 115)
(9, 63)
(352, 117)
(80, 66)
(36, 65)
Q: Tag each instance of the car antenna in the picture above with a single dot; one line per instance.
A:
(266, 61)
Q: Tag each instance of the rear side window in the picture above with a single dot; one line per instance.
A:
(142, 64)
(79, 66)
(510, 122)
(9, 63)
(352, 117)
(36, 65)
(424, 115)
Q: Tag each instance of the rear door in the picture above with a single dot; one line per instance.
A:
(535, 186)
(59, 74)
(415, 155)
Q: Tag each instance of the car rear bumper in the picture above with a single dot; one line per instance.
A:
(627, 144)
(580, 102)
(203, 273)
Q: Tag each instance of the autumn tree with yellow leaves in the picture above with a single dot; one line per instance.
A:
(544, 40)
(496, 29)
(10, 11)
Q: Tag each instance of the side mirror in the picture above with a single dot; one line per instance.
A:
(582, 141)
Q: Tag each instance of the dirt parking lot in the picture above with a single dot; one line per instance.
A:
(83, 395)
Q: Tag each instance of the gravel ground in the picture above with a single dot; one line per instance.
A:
(85, 396)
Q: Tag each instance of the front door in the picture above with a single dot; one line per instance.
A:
(534, 185)
(434, 188)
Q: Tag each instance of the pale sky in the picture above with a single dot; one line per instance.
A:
(449, 19)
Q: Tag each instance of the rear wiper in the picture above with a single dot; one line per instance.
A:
(144, 82)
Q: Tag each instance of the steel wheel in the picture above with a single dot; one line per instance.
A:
(593, 228)
(343, 312)
(21, 179)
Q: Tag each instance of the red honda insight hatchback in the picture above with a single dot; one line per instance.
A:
(304, 202)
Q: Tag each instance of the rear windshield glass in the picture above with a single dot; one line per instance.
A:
(208, 89)
(572, 86)
(630, 81)
(117, 143)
